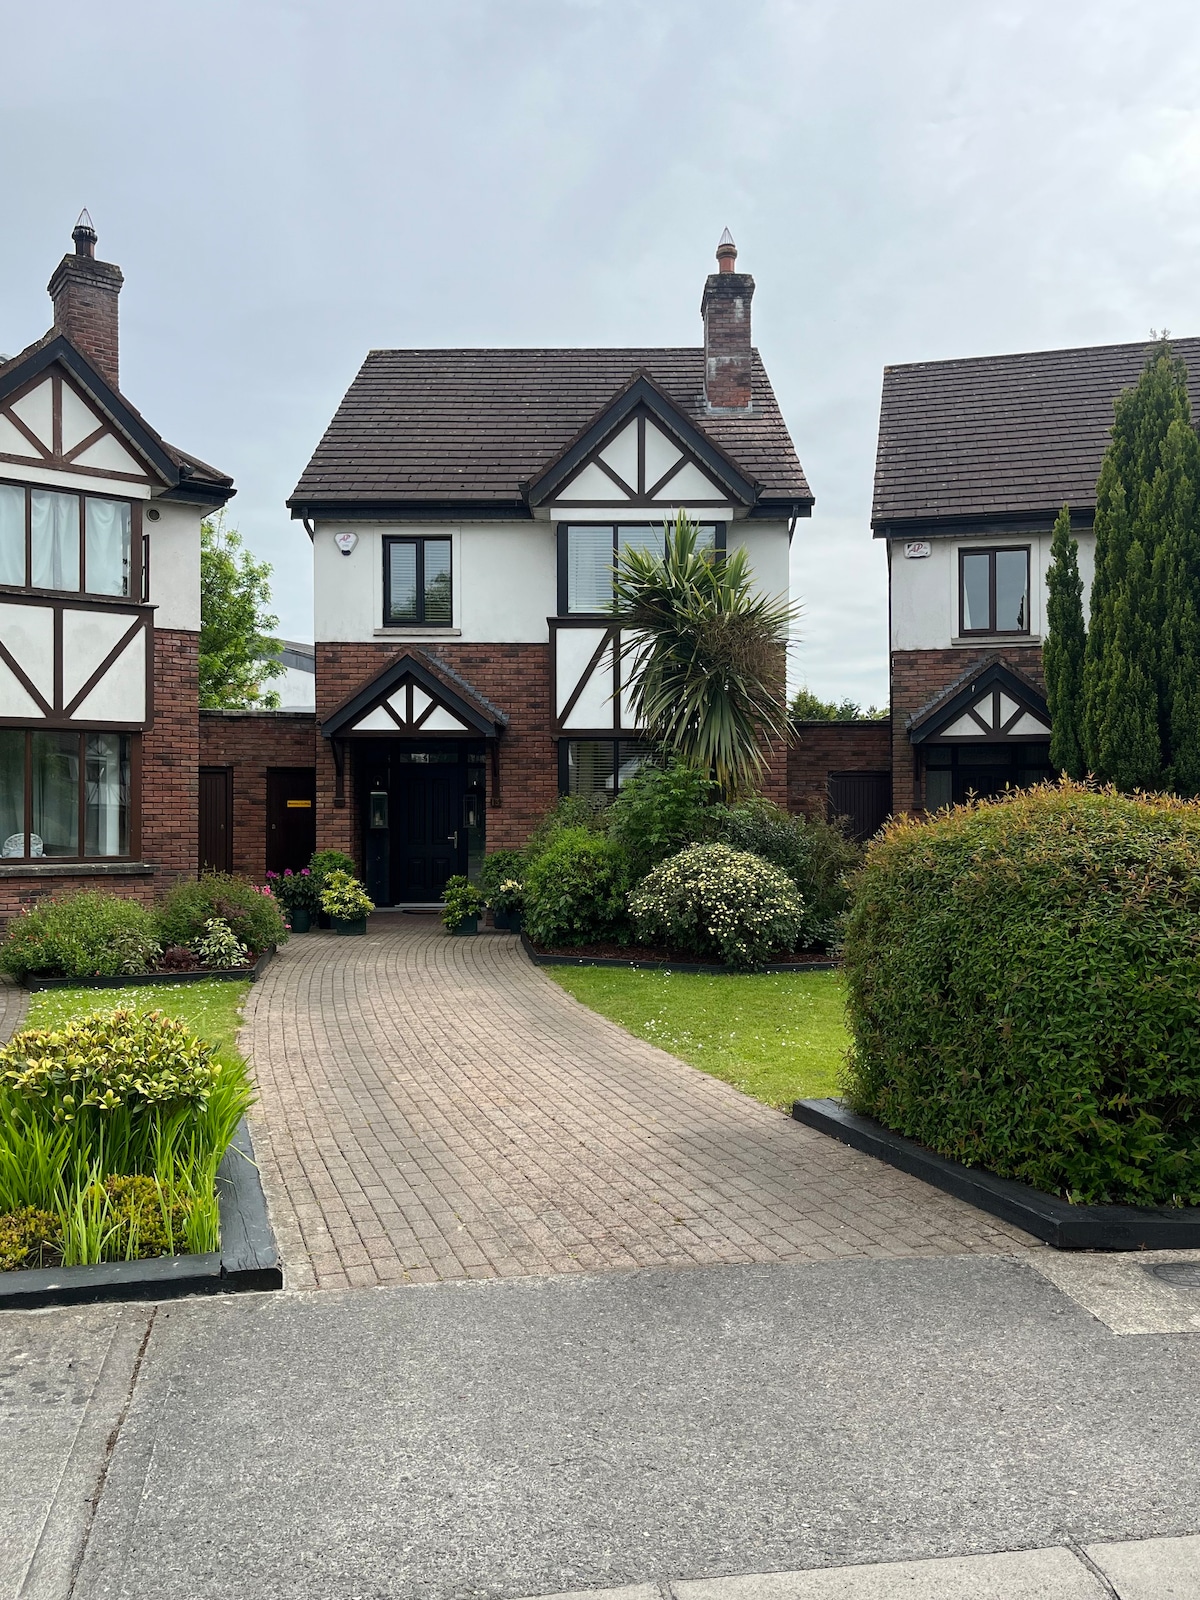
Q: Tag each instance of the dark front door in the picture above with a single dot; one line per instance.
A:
(291, 817)
(216, 819)
(428, 838)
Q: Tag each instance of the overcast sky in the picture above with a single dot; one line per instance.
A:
(288, 185)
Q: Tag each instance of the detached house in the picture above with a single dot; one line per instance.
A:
(99, 611)
(465, 509)
(976, 458)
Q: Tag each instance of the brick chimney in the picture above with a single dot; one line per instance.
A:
(85, 292)
(726, 312)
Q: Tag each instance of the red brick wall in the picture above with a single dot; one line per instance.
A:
(85, 293)
(825, 747)
(515, 677)
(250, 742)
(917, 677)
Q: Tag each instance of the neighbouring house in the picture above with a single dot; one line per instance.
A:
(465, 509)
(976, 458)
(99, 611)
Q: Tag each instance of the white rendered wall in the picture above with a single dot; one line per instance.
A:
(175, 565)
(924, 592)
(766, 544)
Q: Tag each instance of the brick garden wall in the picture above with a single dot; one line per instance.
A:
(825, 747)
(919, 675)
(250, 742)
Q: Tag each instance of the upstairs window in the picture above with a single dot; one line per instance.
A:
(49, 539)
(587, 559)
(416, 583)
(993, 591)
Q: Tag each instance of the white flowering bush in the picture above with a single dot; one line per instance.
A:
(718, 904)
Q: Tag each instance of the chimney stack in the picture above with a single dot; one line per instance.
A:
(726, 312)
(85, 292)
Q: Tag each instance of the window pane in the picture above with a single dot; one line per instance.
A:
(1012, 591)
(706, 538)
(975, 597)
(402, 581)
(12, 534)
(438, 609)
(55, 540)
(589, 569)
(55, 794)
(106, 796)
(590, 767)
(12, 792)
(630, 758)
(939, 789)
(107, 551)
(649, 539)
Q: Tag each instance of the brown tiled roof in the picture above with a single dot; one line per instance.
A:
(463, 426)
(1003, 435)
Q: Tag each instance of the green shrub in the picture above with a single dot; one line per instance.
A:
(575, 891)
(718, 904)
(343, 898)
(85, 935)
(143, 1220)
(1024, 990)
(220, 947)
(659, 811)
(29, 1238)
(463, 900)
(296, 891)
(252, 914)
(569, 812)
(323, 862)
(502, 879)
(816, 855)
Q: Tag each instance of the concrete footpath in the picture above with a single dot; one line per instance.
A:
(651, 1428)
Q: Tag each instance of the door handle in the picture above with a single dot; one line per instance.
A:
(454, 836)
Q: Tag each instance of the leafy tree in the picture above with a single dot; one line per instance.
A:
(705, 655)
(237, 649)
(1066, 642)
(808, 707)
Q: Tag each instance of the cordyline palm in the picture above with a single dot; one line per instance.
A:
(705, 656)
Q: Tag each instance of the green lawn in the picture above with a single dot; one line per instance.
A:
(775, 1036)
(213, 1009)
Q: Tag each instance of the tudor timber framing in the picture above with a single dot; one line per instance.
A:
(610, 639)
(56, 710)
(988, 682)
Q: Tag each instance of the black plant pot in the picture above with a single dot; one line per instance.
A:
(301, 921)
(507, 921)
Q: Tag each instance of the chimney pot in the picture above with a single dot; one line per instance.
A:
(726, 252)
(85, 292)
(728, 355)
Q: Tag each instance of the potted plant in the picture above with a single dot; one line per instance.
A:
(507, 901)
(464, 905)
(299, 894)
(321, 864)
(346, 903)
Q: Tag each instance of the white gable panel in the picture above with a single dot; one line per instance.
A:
(109, 456)
(621, 454)
(1029, 724)
(595, 708)
(36, 411)
(573, 648)
(1008, 707)
(983, 710)
(420, 701)
(88, 636)
(440, 720)
(14, 443)
(963, 727)
(377, 721)
(661, 454)
(15, 699)
(689, 483)
(28, 634)
(120, 696)
(78, 419)
(592, 484)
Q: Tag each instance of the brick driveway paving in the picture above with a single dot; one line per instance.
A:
(436, 1108)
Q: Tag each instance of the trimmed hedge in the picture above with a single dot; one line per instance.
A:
(575, 891)
(1023, 984)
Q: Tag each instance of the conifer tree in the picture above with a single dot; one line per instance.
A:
(1062, 656)
(1178, 582)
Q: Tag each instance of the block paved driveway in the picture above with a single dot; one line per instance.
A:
(437, 1108)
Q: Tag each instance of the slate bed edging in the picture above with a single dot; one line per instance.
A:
(248, 1257)
(1046, 1216)
(541, 959)
(135, 979)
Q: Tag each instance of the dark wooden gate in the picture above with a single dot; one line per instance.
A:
(216, 819)
(864, 799)
(291, 817)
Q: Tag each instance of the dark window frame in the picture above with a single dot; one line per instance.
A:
(139, 565)
(133, 853)
(952, 757)
(420, 540)
(992, 551)
(562, 538)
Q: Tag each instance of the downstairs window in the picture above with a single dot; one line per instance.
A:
(64, 795)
